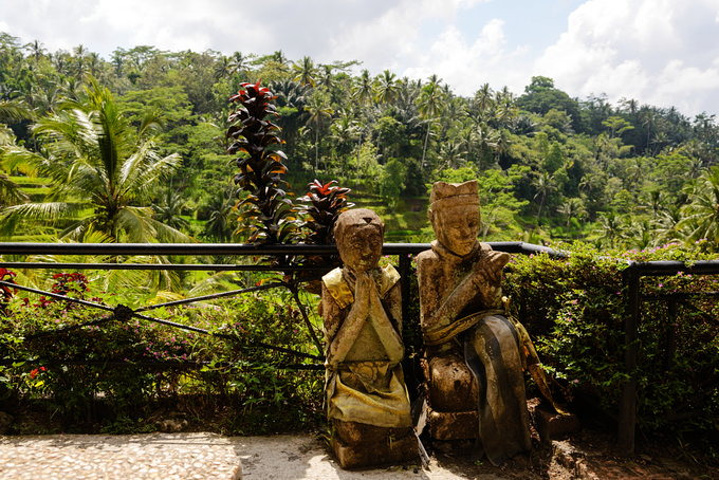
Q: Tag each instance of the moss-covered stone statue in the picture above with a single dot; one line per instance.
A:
(367, 401)
(475, 353)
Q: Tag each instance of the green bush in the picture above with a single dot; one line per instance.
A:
(575, 309)
(113, 375)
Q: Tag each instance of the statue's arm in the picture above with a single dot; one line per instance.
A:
(483, 278)
(487, 275)
(389, 336)
(436, 311)
(349, 327)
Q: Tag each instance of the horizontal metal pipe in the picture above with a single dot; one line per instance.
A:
(214, 267)
(230, 249)
(672, 267)
(167, 364)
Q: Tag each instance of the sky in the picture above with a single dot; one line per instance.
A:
(659, 52)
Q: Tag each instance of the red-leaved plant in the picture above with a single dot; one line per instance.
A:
(323, 204)
(268, 214)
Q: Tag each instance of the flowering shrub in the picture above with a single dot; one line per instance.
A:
(6, 293)
(112, 375)
(71, 284)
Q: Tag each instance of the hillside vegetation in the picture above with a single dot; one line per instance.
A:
(551, 167)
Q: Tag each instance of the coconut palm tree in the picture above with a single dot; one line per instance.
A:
(610, 226)
(701, 214)
(305, 72)
(363, 90)
(572, 208)
(387, 87)
(544, 184)
(430, 103)
(10, 111)
(102, 169)
(318, 110)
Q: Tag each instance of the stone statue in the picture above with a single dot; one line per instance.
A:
(475, 354)
(367, 401)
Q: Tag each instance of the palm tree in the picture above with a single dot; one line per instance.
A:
(362, 90)
(168, 209)
(487, 141)
(35, 49)
(430, 103)
(387, 87)
(305, 72)
(102, 170)
(318, 110)
(237, 63)
(483, 102)
(572, 208)
(10, 111)
(544, 183)
(610, 225)
(701, 214)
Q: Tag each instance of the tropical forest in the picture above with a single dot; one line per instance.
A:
(150, 146)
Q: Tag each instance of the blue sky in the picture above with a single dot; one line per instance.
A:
(660, 52)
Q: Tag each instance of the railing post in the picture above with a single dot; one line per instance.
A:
(405, 263)
(670, 332)
(628, 407)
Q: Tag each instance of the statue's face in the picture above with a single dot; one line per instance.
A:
(361, 249)
(457, 227)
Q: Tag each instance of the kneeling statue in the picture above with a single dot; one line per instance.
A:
(475, 354)
(367, 400)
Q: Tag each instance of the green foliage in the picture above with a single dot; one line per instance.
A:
(112, 375)
(576, 308)
(360, 129)
(102, 168)
(392, 180)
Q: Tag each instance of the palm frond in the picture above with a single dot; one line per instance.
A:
(22, 160)
(10, 193)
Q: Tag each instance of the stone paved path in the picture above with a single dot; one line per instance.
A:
(208, 456)
(188, 456)
(183, 456)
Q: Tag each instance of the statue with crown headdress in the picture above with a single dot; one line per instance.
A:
(475, 354)
(366, 396)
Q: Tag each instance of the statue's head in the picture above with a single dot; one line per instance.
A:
(359, 234)
(454, 214)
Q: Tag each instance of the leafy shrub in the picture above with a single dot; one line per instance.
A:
(575, 309)
(96, 372)
(269, 215)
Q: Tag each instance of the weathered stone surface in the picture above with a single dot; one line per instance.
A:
(353, 432)
(467, 334)
(454, 389)
(367, 399)
(453, 425)
(390, 451)
(555, 426)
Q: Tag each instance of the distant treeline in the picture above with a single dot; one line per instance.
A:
(550, 166)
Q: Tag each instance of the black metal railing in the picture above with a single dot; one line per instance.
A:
(633, 275)
(404, 251)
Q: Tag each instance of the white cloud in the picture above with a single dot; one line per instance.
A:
(661, 52)
(465, 64)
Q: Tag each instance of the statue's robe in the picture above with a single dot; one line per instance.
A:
(367, 386)
(493, 346)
